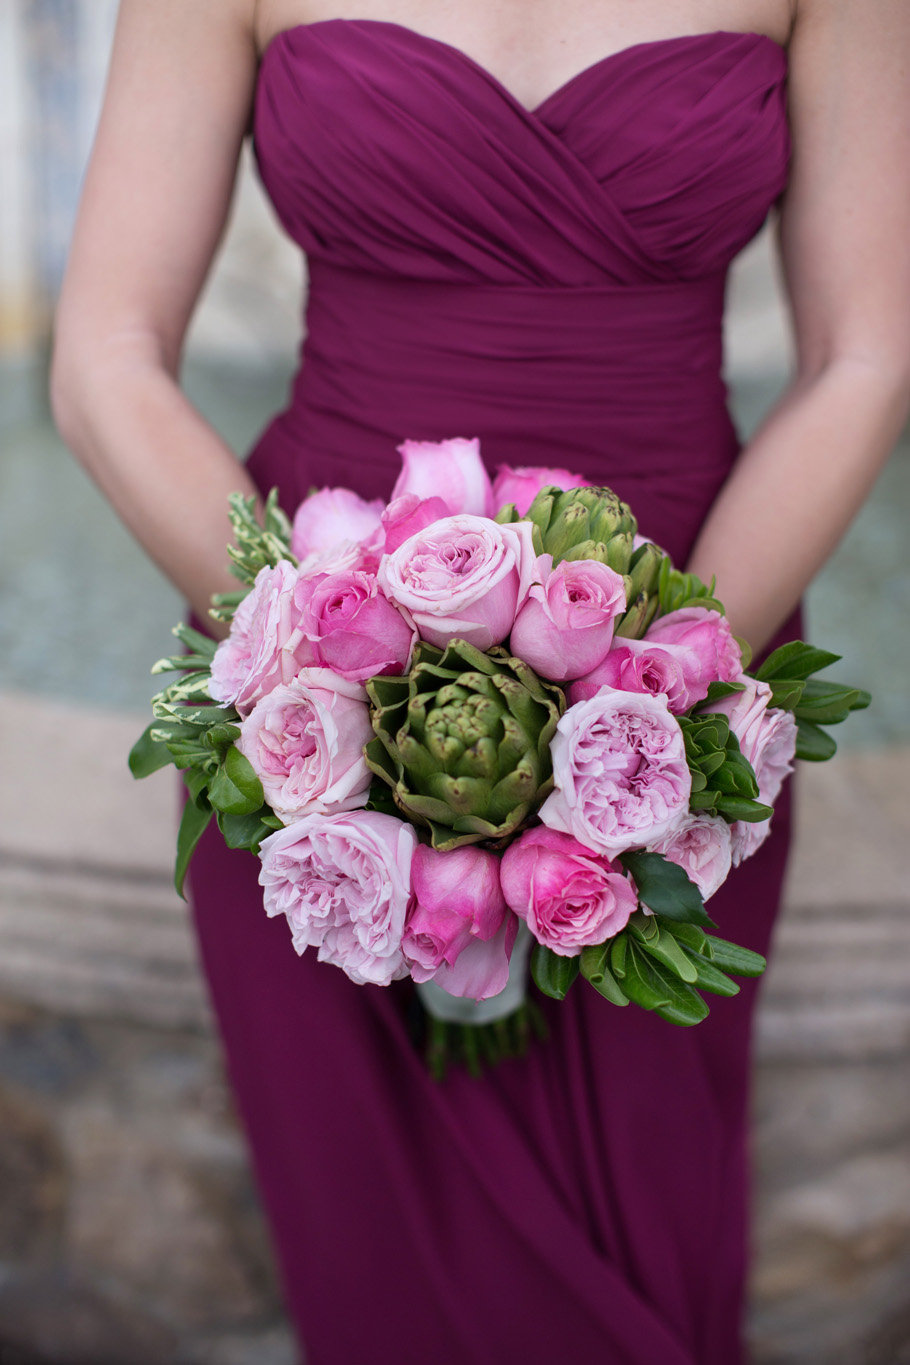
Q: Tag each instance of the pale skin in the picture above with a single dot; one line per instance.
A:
(157, 196)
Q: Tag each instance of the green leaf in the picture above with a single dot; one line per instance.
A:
(718, 690)
(708, 976)
(795, 660)
(596, 970)
(148, 755)
(244, 831)
(689, 934)
(196, 780)
(812, 743)
(666, 950)
(786, 693)
(192, 825)
(642, 983)
(552, 973)
(743, 808)
(826, 703)
(200, 644)
(685, 1007)
(730, 957)
(235, 789)
(664, 887)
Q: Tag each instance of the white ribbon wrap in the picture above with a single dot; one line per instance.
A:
(452, 1009)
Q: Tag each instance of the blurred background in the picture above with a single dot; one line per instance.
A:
(129, 1229)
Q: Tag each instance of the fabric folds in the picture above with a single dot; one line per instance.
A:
(552, 282)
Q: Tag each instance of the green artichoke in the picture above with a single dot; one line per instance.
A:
(584, 523)
(463, 741)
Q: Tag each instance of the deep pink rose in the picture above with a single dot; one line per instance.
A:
(767, 739)
(462, 578)
(521, 484)
(705, 632)
(350, 627)
(265, 646)
(459, 933)
(565, 627)
(305, 742)
(344, 884)
(702, 846)
(619, 765)
(570, 897)
(451, 470)
(642, 666)
(407, 515)
(330, 529)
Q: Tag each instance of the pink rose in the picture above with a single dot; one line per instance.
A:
(461, 578)
(265, 646)
(767, 739)
(331, 517)
(565, 627)
(351, 627)
(705, 632)
(642, 666)
(459, 932)
(407, 515)
(571, 898)
(520, 485)
(344, 883)
(451, 470)
(305, 742)
(702, 846)
(619, 766)
(330, 527)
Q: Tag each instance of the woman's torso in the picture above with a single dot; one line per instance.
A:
(548, 279)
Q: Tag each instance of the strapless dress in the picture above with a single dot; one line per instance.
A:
(552, 282)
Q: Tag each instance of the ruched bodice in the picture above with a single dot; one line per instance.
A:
(552, 282)
(389, 152)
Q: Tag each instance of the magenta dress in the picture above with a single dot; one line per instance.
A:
(551, 282)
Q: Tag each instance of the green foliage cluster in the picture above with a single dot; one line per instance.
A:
(198, 736)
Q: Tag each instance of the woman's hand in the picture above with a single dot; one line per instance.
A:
(156, 197)
(845, 239)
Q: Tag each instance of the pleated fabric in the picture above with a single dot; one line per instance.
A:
(552, 282)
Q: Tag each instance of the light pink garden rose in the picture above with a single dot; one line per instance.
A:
(330, 526)
(642, 666)
(407, 515)
(767, 739)
(265, 646)
(570, 897)
(350, 627)
(305, 742)
(705, 632)
(565, 627)
(703, 847)
(344, 884)
(459, 932)
(521, 484)
(451, 470)
(462, 578)
(619, 765)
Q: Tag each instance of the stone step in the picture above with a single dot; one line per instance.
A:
(103, 945)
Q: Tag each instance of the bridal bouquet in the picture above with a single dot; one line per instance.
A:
(483, 719)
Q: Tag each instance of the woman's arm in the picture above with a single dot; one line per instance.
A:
(845, 241)
(156, 196)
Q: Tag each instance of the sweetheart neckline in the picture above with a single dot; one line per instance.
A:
(415, 35)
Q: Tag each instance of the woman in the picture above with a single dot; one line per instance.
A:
(518, 219)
